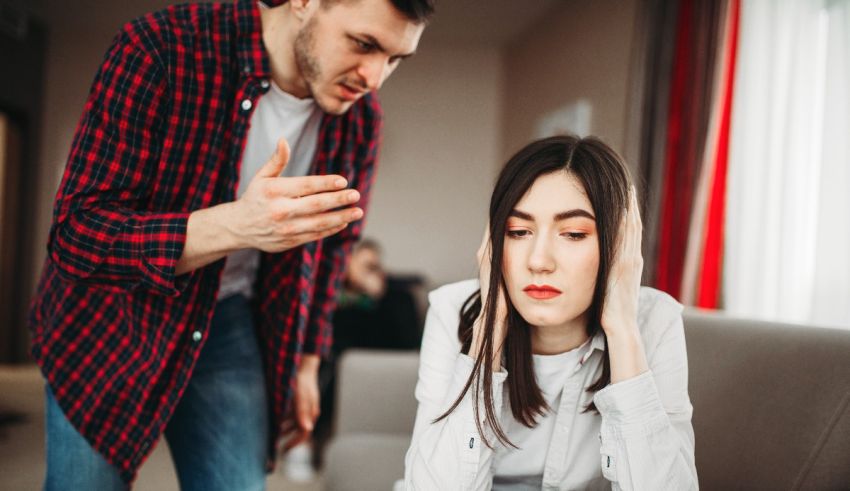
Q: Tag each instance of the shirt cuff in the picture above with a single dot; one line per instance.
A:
(161, 244)
(630, 403)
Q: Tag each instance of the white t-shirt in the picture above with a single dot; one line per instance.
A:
(277, 114)
(552, 373)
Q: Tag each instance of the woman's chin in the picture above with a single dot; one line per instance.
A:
(549, 316)
(542, 317)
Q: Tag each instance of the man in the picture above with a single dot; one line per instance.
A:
(188, 285)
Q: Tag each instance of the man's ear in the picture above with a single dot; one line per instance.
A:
(303, 9)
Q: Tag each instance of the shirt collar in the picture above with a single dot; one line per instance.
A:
(253, 58)
(596, 343)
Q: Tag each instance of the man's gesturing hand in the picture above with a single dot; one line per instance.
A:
(279, 213)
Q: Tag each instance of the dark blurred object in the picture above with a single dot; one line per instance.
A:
(10, 418)
(390, 322)
(13, 21)
(23, 48)
(375, 311)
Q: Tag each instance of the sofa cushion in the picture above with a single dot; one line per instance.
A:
(359, 461)
(375, 392)
(771, 403)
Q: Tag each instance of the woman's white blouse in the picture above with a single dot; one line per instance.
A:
(641, 438)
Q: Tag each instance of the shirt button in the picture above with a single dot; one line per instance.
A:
(247, 104)
(264, 84)
(246, 69)
(196, 336)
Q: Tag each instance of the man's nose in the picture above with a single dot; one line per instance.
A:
(373, 72)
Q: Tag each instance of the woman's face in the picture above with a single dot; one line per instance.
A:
(551, 253)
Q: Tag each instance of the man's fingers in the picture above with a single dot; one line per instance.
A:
(288, 427)
(296, 187)
(296, 440)
(322, 222)
(322, 202)
(297, 240)
(277, 162)
(305, 419)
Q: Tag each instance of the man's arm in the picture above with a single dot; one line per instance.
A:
(101, 236)
(98, 234)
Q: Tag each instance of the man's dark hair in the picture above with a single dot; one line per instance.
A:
(415, 10)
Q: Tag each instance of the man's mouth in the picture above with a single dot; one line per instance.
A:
(349, 93)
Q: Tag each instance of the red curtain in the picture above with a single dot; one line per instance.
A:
(693, 185)
(687, 87)
(708, 295)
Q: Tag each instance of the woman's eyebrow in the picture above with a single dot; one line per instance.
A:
(578, 212)
(521, 215)
(564, 215)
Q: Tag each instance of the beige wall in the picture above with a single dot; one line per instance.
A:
(439, 160)
(579, 50)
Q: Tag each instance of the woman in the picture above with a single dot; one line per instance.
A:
(555, 369)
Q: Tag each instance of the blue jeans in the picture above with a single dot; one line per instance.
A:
(218, 434)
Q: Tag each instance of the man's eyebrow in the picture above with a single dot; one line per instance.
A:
(564, 215)
(371, 39)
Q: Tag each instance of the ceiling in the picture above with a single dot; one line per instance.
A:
(484, 21)
(494, 22)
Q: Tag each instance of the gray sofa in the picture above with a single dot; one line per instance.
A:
(771, 409)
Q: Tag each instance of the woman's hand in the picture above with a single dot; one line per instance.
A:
(484, 255)
(619, 314)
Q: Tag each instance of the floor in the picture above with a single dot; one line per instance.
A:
(22, 441)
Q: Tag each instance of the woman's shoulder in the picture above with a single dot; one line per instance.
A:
(452, 296)
(657, 312)
(443, 318)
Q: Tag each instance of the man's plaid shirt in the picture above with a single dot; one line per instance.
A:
(162, 135)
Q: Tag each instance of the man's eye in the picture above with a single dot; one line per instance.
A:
(363, 45)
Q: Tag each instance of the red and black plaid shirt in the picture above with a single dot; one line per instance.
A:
(162, 135)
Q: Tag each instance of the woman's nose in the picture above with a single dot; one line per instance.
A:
(540, 258)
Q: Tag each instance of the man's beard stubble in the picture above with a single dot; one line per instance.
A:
(305, 60)
(308, 64)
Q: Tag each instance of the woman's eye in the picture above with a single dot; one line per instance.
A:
(517, 234)
(575, 235)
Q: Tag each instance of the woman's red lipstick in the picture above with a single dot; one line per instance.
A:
(541, 292)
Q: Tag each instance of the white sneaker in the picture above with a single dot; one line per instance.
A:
(297, 465)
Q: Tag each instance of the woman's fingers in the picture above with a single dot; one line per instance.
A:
(483, 249)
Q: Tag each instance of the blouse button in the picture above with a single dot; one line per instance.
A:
(196, 336)
(247, 105)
